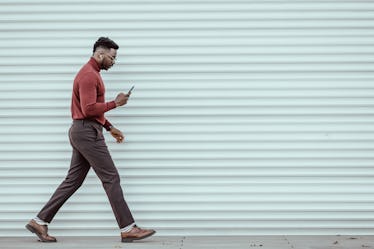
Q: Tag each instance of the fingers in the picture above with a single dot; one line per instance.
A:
(117, 134)
(120, 138)
(121, 99)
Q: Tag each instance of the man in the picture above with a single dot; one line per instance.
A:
(89, 148)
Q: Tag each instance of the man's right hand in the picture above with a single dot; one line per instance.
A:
(121, 99)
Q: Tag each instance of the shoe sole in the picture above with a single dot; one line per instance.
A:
(31, 229)
(129, 240)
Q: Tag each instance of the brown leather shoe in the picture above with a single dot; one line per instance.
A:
(136, 233)
(41, 231)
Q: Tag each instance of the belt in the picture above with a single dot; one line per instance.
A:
(88, 121)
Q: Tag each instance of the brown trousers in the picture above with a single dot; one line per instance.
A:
(89, 150)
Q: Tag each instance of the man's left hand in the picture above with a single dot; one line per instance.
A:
(117, 134)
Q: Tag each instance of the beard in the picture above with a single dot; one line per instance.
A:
(104, 67)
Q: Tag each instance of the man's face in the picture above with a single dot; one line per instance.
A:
(109, 59)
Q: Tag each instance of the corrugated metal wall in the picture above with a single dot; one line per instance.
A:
(248, 117)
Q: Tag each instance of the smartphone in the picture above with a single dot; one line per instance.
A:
(132, 88)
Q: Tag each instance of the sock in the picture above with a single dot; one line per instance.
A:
(40, 221)
(127, 228)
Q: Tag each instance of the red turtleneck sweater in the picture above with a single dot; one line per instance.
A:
(88, 100)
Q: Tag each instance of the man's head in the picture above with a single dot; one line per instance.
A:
(105, 52)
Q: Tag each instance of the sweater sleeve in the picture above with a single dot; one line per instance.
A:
(107, 125)
(88, 98)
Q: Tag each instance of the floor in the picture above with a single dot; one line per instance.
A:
(209, 242)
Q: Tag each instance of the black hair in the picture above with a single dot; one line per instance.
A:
(105, 42)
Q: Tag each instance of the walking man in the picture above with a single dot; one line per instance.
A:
(89, 148)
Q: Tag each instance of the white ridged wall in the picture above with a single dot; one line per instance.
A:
(248, 117)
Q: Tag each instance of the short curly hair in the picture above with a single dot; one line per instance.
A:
(105, 42)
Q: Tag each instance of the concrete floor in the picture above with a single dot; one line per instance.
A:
(192, 242)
